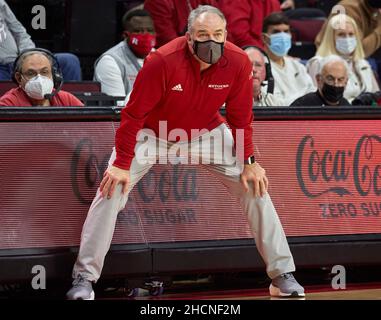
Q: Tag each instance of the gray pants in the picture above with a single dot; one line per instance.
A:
(267, 230)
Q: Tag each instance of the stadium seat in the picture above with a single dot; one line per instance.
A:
(305, 25)
(325, 5)
(6, 85)
(306, 30)
(82, 86)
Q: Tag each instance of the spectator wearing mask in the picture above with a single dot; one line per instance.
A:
(342, 38)
(171, 16)
(245, 20)
(291, 78)
(39, 80)
(332, 79)
(263, 81)
(14, 39)
(367, 14)
(117, 68)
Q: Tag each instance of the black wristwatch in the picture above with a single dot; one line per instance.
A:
(249, 160)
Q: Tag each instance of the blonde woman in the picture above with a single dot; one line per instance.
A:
(342, 38)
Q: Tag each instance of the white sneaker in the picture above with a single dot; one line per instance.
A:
(82, 290)
(286, 285)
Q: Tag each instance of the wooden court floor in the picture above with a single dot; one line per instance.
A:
(317, 287)
(368, 291)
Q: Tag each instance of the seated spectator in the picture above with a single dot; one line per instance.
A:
(367, 15)
(331, 78)
(118, 67)
(245, 20)
(39, 81)
(291, 78)
(263, 81)
(342, 38)
(14, 39)
(170, 17)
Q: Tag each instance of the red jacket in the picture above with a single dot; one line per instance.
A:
(170, 87)
(170, 17)
(18, 98)
(245, 19)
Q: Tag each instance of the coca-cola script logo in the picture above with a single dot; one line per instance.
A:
(336, 171)
(86, 171)
(177, 182)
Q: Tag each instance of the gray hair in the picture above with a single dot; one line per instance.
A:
(332, 58)
(200, 10)
(21, 59)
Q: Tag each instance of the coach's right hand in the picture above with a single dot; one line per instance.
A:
(111, 178)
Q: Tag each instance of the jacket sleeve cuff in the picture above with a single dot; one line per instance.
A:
(125, 165)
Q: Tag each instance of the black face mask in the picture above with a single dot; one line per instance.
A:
(332, 94)
(208, 51)
(374, 3)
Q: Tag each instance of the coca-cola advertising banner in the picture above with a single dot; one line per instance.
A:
(325, 175)
(325, 179)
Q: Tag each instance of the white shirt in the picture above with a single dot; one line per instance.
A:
(291, 81)
(360, 78)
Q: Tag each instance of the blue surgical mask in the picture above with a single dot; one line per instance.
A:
(346, 45)
(280, 43)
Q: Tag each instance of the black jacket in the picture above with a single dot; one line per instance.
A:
(314, 99)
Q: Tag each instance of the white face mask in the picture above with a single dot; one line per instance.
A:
(346, 45)
(38, 87)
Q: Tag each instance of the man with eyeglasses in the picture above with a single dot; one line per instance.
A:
(261, 78)
(332, 80)
(33, 74)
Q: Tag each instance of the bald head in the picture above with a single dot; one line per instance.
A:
(335, 68)
(333, 71)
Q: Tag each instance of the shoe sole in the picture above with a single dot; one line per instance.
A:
(92, 296)
(275, 292)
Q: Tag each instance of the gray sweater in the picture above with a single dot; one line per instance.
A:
(13, 36)
(128, 65)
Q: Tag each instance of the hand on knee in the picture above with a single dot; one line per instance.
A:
(255, 174)
(111, 178)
